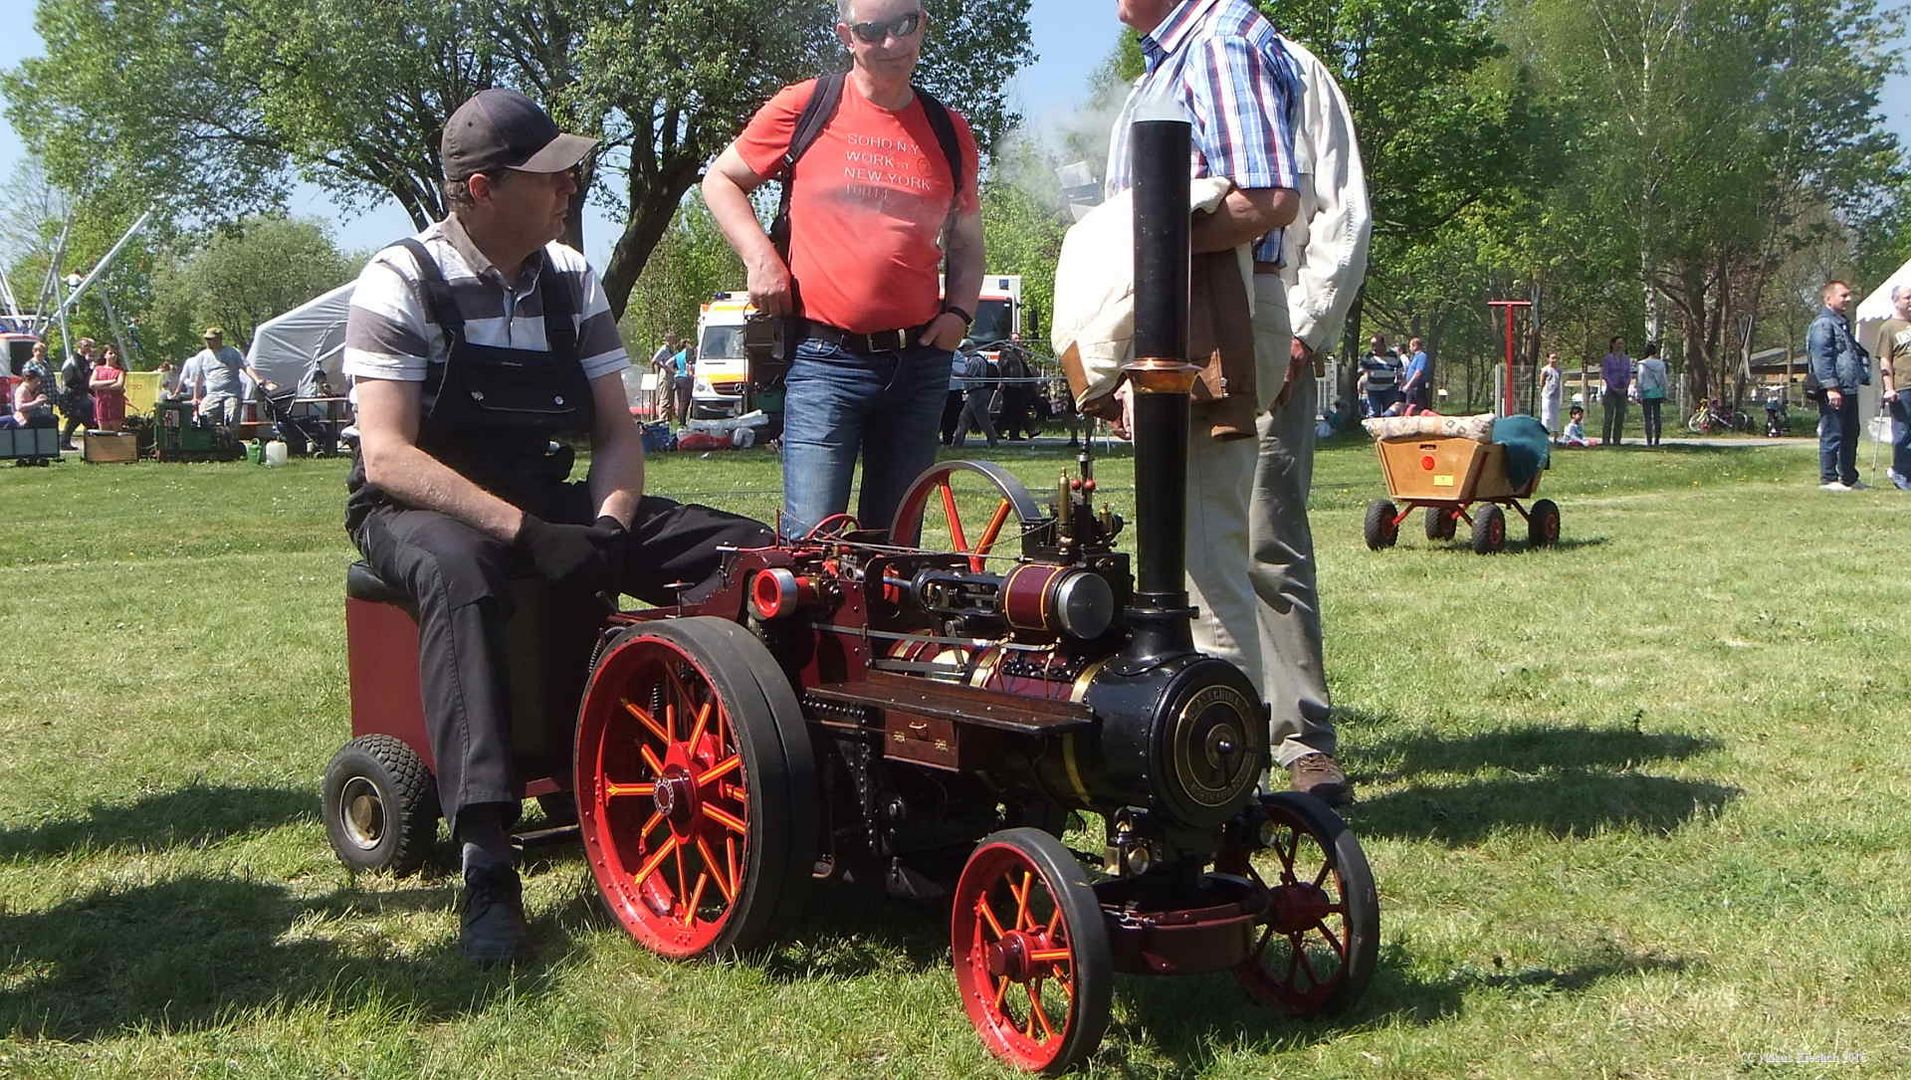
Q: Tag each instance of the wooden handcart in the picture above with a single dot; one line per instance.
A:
(1452, 478)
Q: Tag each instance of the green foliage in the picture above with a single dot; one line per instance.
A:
(209, 107)
(242, 277)
(1023, 223)
(689, 264)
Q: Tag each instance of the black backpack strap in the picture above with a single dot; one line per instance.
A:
(939, 122)
(560, 323)
(816, 115)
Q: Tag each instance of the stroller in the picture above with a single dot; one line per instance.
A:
(301, 426)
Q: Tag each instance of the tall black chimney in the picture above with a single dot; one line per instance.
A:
(1161, 379)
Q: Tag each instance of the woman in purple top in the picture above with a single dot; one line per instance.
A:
(1616, 370)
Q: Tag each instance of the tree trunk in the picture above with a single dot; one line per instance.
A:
(652, 207)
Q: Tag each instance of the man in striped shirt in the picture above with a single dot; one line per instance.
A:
(474, 344)
(1222, 66)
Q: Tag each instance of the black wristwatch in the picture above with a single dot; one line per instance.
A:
(951, 309)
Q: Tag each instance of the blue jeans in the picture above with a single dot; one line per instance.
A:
(1838, 440)
(883, 407)
(1901, 432)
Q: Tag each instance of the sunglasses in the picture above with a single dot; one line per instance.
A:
(875, 33)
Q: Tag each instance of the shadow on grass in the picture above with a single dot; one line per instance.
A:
(190, 816)
(189, 953)
(853, 931)
(1574, 781)
(1194, 1021)
(1527, 749)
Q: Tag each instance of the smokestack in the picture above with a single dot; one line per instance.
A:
(1162, 380)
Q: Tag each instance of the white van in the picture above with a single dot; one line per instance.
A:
(722, 374)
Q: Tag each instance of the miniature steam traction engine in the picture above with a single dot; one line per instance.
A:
(860, 705)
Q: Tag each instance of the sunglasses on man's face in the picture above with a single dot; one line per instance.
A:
(875, 33)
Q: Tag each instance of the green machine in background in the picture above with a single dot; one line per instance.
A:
(179, 436)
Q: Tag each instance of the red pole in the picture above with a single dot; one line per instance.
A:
(1506, 393)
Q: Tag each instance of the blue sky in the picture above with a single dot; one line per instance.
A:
(1071, 38)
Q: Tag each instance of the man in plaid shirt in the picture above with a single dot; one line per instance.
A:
(1225, 68)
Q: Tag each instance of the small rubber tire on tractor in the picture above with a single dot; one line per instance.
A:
(696, 788)
(1324, 911)
(1489, 529)
(1542, 524)
(1032, 958)
(380, 805)
(1441, 522)
(1382, 528)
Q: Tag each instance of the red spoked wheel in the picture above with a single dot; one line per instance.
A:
(696, 787)
(964, 506)
(1031, 952)
(1321, 935)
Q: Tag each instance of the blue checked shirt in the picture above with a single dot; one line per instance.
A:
(1221, 63)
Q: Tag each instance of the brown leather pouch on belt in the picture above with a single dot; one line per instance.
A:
(1221, 340)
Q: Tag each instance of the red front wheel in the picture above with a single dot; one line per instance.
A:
(1031, 952)
(695, 795)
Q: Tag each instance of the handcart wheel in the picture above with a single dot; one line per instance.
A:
(695, 788)
(1319, 941)
(380, 805)
(1031, 952)
(1542, 524)
(965, 506)
(1441, 522)
(1489, 529)
(1383, 527)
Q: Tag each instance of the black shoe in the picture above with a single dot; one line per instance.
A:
(1320, 775)
(492, 910)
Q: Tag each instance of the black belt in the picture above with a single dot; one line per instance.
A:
(877, 342)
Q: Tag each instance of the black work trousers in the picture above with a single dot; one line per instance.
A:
(458, 577)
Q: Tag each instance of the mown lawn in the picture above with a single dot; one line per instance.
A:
(1638, 806)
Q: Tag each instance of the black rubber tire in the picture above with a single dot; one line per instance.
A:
(774, 746)
(1064, 880)
(1380, 528)
(1489, 529)
(1441, 522)
(1293, 813)
(1542, 524)
(380, 805)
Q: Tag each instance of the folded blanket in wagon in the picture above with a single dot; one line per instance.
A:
(1528, 449)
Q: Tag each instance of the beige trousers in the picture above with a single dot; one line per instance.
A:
(1251, 567)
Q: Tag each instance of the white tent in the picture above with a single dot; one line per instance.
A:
(1872, 311)
(285, 349)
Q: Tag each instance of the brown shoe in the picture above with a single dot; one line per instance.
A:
(1320, 775)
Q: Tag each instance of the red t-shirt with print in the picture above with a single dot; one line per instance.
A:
(872, 196)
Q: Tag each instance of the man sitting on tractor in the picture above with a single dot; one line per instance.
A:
(474, 344)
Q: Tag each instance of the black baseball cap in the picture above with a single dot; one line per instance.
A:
(503, 129)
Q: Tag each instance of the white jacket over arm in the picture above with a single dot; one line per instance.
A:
(1326, 246)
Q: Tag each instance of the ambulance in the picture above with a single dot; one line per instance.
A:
(721, 377)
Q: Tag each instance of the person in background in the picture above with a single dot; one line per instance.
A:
(975, 405)
(1552, 393)
(952, 405)
(38, 363)
(76, 398)
(876, 208)
(1575, 434)
(1840, 366)
(31, 406)
(1616, 372)
(168, 382)
(662, 363)
(1654, 382)
(215, 380)
(683, 369)
(108, 384)
(1894, 372)
(1016, 393)
(1380, 369)
(1416, 387)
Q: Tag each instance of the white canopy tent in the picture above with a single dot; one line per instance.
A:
(286, 349)
(1872, 311)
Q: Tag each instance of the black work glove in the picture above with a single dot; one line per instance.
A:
(571, 557)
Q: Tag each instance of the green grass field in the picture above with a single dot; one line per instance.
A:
(1638, 806)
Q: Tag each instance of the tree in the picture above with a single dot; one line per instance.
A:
(691, 262)
(239, 279)
(231, 98)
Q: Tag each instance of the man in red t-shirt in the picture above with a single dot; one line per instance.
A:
(873, 208)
